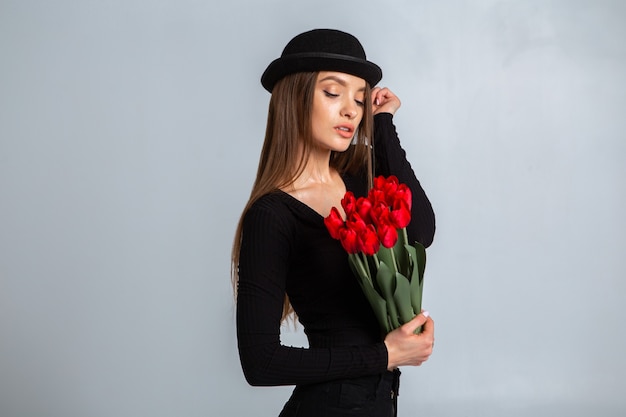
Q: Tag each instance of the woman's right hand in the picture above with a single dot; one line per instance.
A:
(384, 101)
(404, 347)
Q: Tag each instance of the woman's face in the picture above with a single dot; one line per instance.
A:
(338, 107)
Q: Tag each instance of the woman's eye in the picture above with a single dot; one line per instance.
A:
(360, 103)
(329, 94)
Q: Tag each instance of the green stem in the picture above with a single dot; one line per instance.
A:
(366, 265)
(394, 263)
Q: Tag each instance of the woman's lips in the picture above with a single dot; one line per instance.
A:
(346, 131)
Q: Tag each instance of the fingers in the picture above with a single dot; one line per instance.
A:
(383, 100)
(404, 347)
(416, 322)
(429, 325)
(376, 97)
(428, 336)
(381, 95)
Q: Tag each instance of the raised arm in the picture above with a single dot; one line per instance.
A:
(390, 159)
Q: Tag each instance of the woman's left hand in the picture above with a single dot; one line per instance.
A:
(384, 101)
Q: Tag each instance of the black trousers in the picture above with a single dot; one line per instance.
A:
(371, 396)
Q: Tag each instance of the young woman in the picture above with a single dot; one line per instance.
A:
(327, 132)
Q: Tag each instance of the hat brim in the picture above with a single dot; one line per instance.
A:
(320, 61)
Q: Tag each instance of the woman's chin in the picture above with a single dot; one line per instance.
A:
(342, 147)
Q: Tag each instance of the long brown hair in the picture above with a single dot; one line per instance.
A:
(287, 146)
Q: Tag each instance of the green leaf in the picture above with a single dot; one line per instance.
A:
(386, 282)
(384, 255)
(377, 303)
(421, 258)
(418, 260)
(402, 297)
(402, 257)
(416, 290)
(413, 272)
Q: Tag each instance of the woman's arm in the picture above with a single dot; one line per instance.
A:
(263, 269)
(390, 159)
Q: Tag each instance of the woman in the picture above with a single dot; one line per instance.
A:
(318, 144)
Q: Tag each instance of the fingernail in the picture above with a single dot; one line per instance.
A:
(377, 102)
(426, 313)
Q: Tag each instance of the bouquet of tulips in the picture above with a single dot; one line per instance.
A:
(389, 269)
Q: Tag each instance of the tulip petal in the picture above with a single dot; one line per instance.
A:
(348, 202)
(334, 223)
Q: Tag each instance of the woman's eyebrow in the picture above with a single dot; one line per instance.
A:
(339, 81)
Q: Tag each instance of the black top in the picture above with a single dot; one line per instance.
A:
(286, 247)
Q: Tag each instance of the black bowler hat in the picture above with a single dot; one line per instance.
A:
(322, 50)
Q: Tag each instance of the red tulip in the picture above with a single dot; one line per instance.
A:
(387, 186)
(400, 215)
(348, 202)
(363, 207)
(388, 235)
(392, 179)
(379, 182)
(368, 240)
(376, 196)
(403, 193)
(356, 223)
(379, 213)
(334, 223)
(348, 239)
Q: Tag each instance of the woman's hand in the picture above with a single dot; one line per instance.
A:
(407, 348)
(384, 101)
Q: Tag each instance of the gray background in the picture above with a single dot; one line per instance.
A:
(129, 137)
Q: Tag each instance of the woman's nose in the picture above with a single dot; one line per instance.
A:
(350, 110)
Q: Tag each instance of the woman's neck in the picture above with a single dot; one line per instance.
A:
(316, 171)
(319, 185)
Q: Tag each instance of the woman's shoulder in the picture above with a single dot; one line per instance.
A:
(268, 222)
(275, 207)
(272, 202)
(282, 210)
(275, 200)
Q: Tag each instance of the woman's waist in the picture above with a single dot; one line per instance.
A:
(387, 382)
(327, 337)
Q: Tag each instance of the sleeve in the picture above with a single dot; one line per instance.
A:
(263, 270)
(390, 159)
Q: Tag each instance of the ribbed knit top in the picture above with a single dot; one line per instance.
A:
(286, 248)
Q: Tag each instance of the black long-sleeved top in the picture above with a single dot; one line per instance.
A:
(286, 248)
